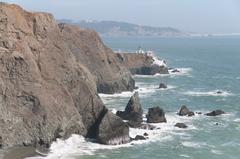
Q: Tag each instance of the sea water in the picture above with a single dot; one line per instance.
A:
(206, 65)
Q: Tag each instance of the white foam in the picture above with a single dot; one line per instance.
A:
(192, 144)
(209, 93)
(237, 120)
(185, 156)
(77, 145)
(218, 152)
(158, 62)
(123, 94)
(182, 71)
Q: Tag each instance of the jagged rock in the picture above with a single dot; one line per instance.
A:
(185, 111)
(181, 125)
(145, 134)
(215, 113)
(156, 115)
(112, 130)
(162, 86)
(142, 64)
(139, 137)
(133, 111)
(46, 92)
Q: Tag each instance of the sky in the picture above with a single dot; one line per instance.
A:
(200, 16)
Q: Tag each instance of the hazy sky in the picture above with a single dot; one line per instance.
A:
(204, 16)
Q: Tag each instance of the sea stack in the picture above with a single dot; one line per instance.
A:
(156, 115)
(133, 111)
(184, 111)
(112, 130)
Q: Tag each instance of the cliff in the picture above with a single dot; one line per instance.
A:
(143, 64)
(48, 89)
(89, 50)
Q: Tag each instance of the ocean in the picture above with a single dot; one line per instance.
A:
(207, 65)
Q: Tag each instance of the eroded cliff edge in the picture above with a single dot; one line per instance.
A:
(49, 79)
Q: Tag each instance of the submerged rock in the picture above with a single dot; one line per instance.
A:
(147, 126)
(156, 115)
(133, 111)
(139, 137)
(185, 111)
(112, 130)
(215, 113)
(162, 86)
(181, 125)
(219, 92)
(175, 71)
(145, 134)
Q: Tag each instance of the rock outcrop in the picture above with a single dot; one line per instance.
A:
(181, 125)
(87, 47)
(139, 137)
(112, 130)
(215, 113)
(133, 111)
(156, 115)
(162, 86)
(184, 111)
(45, 90)
(143, 64)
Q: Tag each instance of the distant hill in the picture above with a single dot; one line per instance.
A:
(113, 28)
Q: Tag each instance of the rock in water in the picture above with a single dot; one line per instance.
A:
(156, 115)
(175, 71)
(145, 134)
(215, 113)
(112, 130)
(133, 111)
(162, 86)
(219, 92)
(185, 111)
(147, 126)
(139, 137)
(181, 125)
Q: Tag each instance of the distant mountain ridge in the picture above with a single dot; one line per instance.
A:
(114, 28)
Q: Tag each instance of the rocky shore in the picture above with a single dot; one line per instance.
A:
(50, 78)
(142, 63)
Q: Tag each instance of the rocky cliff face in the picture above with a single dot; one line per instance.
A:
(143, 64)
(89, 50)
(45, 92)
